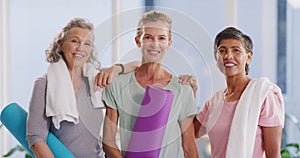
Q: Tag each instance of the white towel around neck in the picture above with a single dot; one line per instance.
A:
(244, 124)
(60, 96)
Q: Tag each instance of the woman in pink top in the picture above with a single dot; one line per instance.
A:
(246, 119)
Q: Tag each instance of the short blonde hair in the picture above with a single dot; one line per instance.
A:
(153, 16)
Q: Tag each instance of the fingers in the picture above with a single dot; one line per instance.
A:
(100, 79)
(104, 78)
(109, 78)
(96, 83)
(187, 79)
(181, 78)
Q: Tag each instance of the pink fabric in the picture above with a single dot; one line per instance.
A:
(270, 115)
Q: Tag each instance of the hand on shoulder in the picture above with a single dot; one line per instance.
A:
(189, 79)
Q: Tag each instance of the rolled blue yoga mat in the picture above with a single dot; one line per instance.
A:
(14, 117)
(150, 125)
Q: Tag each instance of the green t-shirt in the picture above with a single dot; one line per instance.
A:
(125, 95)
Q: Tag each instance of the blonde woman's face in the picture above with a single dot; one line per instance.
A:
(77, 47)
(154, 41)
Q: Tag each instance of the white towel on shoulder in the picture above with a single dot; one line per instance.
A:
(60, 97)
(246, 116)
(90, 72)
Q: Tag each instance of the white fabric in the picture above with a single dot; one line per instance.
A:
(246, 116)
(60, 98)
(90, 72)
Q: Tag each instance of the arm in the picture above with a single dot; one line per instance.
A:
(37, 126)
(189, 79)
(271, 121)
(105, 76)
(41, 150)
(109, 134)
(188, 138)
(197, 127)
(272, 141)
(131, 66)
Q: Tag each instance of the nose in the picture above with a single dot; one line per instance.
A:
(228, 55)
(79, 46)
(155, 42)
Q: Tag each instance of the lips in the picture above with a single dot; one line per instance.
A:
(229, 64)
(153, 52)
(78, 55)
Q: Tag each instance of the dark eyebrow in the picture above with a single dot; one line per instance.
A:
(236, 47)
(221, 47)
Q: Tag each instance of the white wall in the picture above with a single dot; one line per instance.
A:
(4, 68)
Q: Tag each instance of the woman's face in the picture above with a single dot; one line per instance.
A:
(77, 47)
(232, 57)
(154, 41)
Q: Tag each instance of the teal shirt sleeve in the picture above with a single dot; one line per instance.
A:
(188, 102)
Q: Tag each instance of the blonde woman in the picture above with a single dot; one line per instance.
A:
(153, 38)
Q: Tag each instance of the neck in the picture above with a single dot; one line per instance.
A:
(150, 71)
(152, 74)
(76, 77)
(75, 72)
(235, 87)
